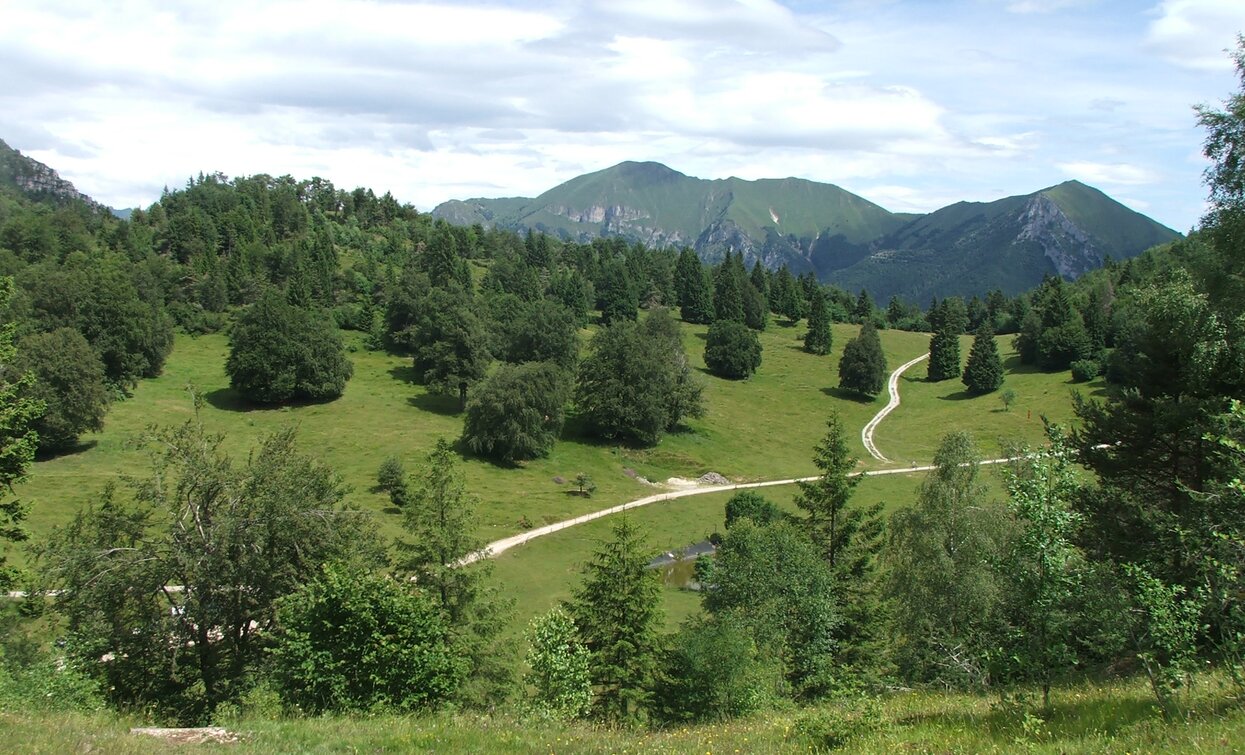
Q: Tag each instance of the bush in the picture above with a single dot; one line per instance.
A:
(280, 353)
(47, 684)
(732, 350)
(748, 504)
(391, 478)
(517, 413)
(69, 379)
(1085, 370)
(354, 641)
(714, 671)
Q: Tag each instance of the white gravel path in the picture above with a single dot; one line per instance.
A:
(892, 386)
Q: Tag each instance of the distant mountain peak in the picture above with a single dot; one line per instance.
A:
(965, 248)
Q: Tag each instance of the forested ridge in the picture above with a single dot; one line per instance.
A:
(215, 586)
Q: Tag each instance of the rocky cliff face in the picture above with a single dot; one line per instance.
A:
(1069, 248)
(38, 180)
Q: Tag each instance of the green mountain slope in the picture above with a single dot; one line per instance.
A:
(775, 220)
(966, 248)
(1010, 244)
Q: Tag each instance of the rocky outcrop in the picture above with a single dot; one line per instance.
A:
(1070, 249)
(37, 180)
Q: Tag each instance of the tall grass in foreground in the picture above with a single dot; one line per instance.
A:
(1113, 716)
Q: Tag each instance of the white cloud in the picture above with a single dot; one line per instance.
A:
(1197, 33)
(1121, 174)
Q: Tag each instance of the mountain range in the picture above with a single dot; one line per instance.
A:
(963, 249)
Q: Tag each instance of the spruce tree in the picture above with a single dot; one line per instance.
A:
(944, 355)
(688, 274)
(849, 538)
(818, 339)
(863, 366)
(618, 612)
(699, 306)
(728, 289)
(984, 372)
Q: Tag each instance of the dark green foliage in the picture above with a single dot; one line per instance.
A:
(729, 281)
(617, 609)
(236, 538)
(616, 293)
(440, 519)
(699, 306)
(97, 296)
(443, 261)
(450, 346)
(635, 383)
(787, 295)
(732, 350)
(391, 478)
(18, 439)
(748, 504)
(543, 331)
(69, 381)
(818, 339)
(714, 670)
(756, 310)
(573, 291)
(517, 413)
(945, 594)
(849, 538)
(863, 366)
(864, 309)
(1085, 370)
(772, 580)
(944, 356)
(984, 371)
(1053, 334)
(280, 353)
(350, 640)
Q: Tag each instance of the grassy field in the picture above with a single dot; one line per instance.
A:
(1087, 717)
(763, 428)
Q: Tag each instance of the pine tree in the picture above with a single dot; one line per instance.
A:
(618, 612)
(944, 356)
(848, 537)
(863, 366)
(818, 339)
(728, 289)
(688, 274)
(984, 372)
(699, 306)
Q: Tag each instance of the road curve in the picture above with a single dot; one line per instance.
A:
(892, 387)
(498, 547)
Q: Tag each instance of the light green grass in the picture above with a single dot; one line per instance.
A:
(762, 428)
(1087, 717)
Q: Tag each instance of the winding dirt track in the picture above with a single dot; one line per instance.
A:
(892, 386)
(500, 546)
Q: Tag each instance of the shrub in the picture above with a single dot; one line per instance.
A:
(354, 641)
(1084, 370)
(517, 413)
(732, 350)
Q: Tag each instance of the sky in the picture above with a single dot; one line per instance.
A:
(910, 104)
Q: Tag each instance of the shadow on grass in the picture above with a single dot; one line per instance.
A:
(702, 336)
(46, 454)
(391, 510)
(957, 396)
(848, 395)
(1012, 365)
(229, 400)
(1065, 720)
(403, 372)
(436, 403)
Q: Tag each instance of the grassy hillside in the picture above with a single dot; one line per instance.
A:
(1088, 717)
(763, 428)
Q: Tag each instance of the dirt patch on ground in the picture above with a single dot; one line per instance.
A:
(195, 736)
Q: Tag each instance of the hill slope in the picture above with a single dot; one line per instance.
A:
(972, 247)
(775, 220)
(966, 248)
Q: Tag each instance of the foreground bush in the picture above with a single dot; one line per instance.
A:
(354, 641)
